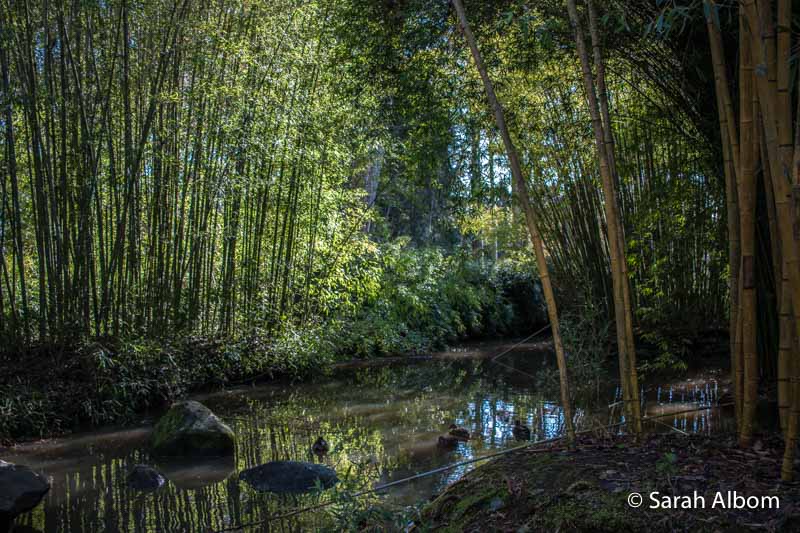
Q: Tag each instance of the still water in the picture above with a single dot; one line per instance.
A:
(382, 423)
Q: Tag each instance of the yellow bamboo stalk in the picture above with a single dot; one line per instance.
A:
(738, 370)
(786, 357)
(730, 152)
(789, 333)
(782, 296)
(748, 145)
(783, 299)
(530, 216)
(780, 161)
(721, 83)
(627, 358)
(782, 58)
(608, 142)
(784, 167)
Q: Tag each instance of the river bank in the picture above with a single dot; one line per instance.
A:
(681, 483)
(53, 393)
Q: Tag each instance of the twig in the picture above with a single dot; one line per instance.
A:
(520, 343)
(673, 428)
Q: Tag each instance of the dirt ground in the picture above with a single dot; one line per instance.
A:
(587, 488)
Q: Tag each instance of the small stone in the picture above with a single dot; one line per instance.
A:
(145, 478)
(496, 504)
(608, 474)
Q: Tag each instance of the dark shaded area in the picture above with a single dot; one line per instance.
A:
(586, 489)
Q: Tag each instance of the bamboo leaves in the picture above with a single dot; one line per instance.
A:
(163, 173)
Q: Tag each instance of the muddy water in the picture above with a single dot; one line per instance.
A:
(382, 423)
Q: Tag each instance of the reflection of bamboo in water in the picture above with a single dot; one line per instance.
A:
(112, 506)
(383, 487)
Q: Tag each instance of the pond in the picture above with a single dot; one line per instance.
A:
(382, 423)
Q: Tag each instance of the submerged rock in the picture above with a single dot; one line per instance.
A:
(289, 477)
(197, 473)
(190, 429)
(145, 478)
(21, 489)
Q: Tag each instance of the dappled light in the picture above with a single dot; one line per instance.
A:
(399, 265)
(381, 424)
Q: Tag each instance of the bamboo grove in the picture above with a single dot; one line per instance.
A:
(168, 166)
(762, 154)
(220, 168)
(582, 219)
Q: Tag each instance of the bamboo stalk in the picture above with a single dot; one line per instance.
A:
(748, 143)
(530, 216)
(731, 167)
(622, 306)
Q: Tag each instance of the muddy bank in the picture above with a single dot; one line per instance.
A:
(474, 350)
(587, 489)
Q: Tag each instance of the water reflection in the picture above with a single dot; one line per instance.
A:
(675, 404)
(382, 425)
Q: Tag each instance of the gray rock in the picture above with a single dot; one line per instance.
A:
(190, 429)
(145, 478)
(21, 489)
(289, 477)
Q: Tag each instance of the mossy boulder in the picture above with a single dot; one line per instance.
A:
(190, 429)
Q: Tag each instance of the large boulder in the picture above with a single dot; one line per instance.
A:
(21, 489)
(190, 429)
(289, 477)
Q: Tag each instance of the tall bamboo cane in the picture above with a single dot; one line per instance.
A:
(530, 216)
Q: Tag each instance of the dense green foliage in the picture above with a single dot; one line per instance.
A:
(415, 301)
(201, 194)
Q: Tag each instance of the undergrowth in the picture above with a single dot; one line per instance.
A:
(420, 301)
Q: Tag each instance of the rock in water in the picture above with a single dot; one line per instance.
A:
(190, 429)
(196, 473)
(289, 477)
(21, 489)
(145, 478)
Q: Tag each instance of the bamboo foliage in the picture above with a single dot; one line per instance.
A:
(667, 185)
(164, 166)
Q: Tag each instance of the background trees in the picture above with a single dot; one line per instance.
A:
(170, 168)
(271, 169)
